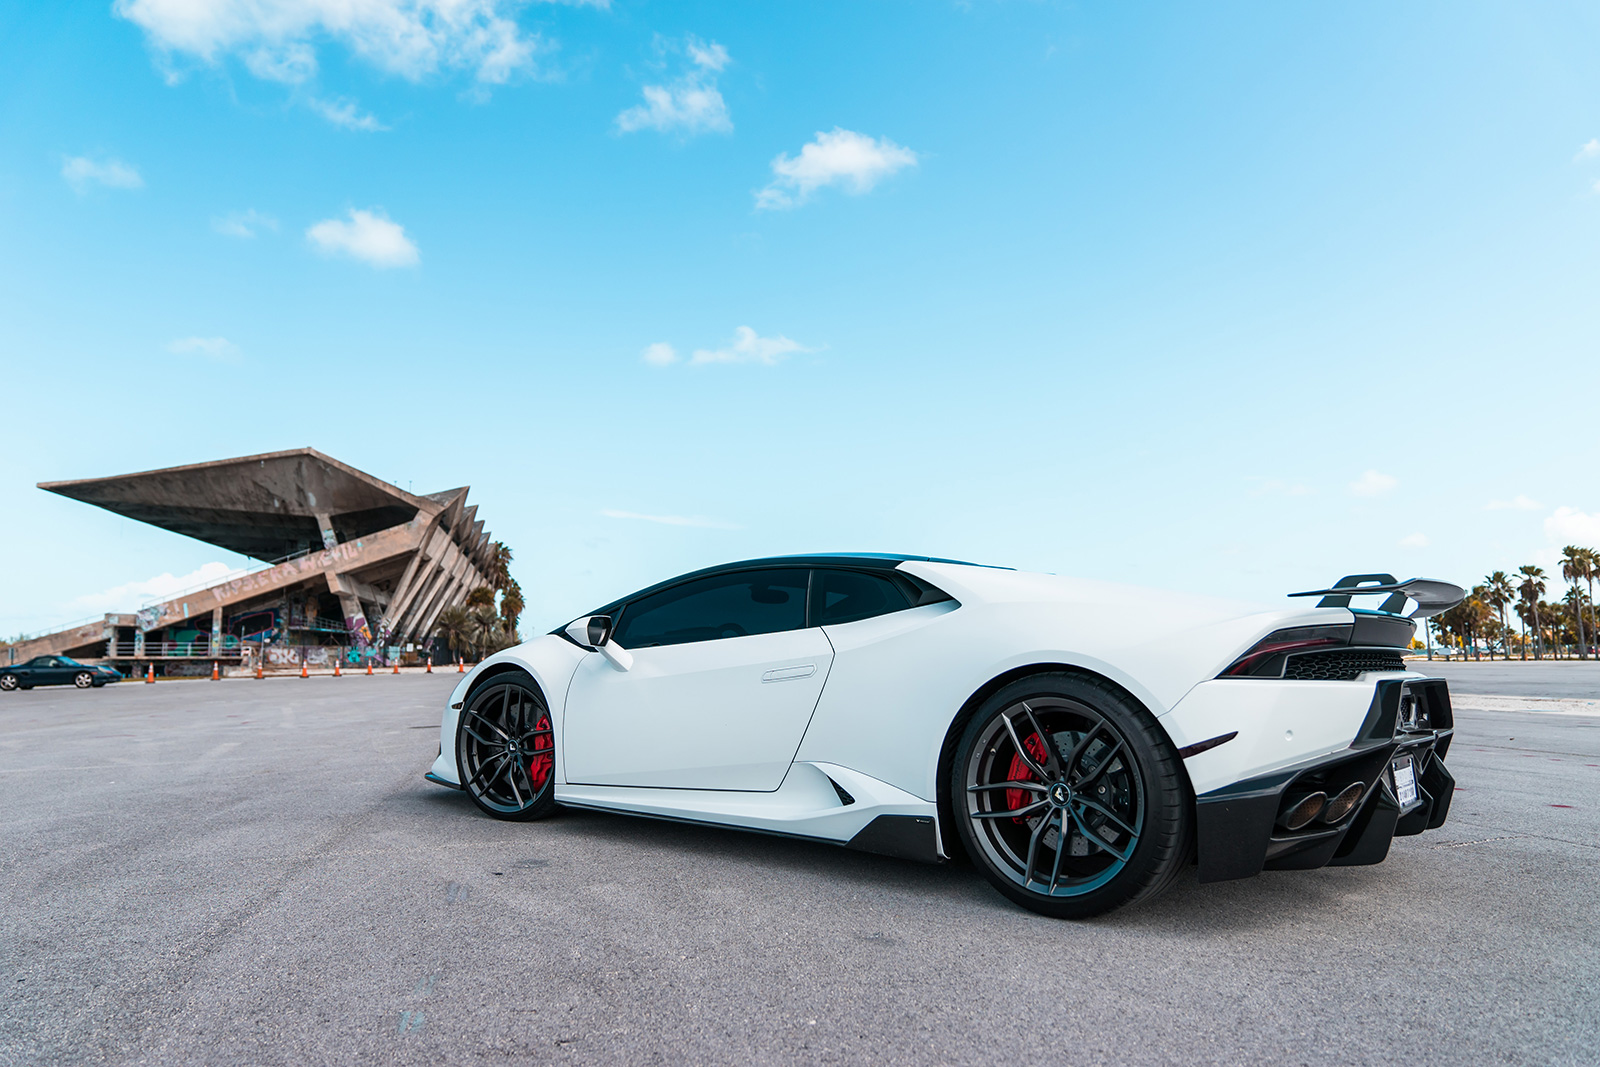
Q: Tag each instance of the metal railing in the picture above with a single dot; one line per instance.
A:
(126, 649)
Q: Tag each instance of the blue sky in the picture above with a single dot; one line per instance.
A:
(1240, 295)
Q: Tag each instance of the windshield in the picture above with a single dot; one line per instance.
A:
(66, 661)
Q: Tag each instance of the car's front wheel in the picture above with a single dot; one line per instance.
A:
(83, 679)
(505, 748)
(1069, 797)
(8, 682)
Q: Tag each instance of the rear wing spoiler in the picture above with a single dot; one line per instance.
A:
(1431, 596)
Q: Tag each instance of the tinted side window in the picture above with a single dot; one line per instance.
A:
(845, 596)
(725, 605)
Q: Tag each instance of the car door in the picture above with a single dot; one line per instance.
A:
(50, 671)
(724, 679)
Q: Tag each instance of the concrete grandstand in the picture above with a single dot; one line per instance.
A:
(351, 568)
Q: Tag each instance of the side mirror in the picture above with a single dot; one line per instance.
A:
(591, 632)
(594, 633)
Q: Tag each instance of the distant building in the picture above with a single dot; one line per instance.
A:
(353, 567)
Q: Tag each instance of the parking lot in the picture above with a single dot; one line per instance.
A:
(255, 872)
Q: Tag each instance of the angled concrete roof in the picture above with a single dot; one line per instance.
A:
(265, 506)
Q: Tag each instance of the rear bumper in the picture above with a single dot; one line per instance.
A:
(1238, 826)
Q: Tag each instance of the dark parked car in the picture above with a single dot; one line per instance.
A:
(55, 670)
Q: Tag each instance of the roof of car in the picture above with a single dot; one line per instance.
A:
(860, 560)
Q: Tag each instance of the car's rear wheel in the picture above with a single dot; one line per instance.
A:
(8, 682)
(505, 748)
(83, 679)
(1069, 797)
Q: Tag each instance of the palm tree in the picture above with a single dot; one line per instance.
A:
(499, 565)
(1497, 593)
(481, 597)
(511, 605)
(1532, 588)
(1573, 619)
(1591, 570)
(1500, 592)
(1556, 626)
(1574, 567)
(487, 635)
(455, 626)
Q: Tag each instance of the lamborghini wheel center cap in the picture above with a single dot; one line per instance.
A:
(1060, 794)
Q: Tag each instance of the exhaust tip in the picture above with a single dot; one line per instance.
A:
(1299, 814)
(1343, 802)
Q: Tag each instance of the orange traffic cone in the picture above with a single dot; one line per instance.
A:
(214, 673)
(461, 668)
(303, 671)
(369, 668)
(150, 679)
(336, 673)
(430, 665)
(397, 666)
(258, 670)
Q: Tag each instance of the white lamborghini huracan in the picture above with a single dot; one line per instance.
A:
(1079, 742)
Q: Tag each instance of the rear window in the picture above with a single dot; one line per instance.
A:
(848, 596)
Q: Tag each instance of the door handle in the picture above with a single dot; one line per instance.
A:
(785, 674)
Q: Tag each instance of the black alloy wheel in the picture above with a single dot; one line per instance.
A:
(1070, 798)
(505, 748)
(8, 682)
(83, 679)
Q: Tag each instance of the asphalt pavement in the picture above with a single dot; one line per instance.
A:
(1563, 678)
(255, 872)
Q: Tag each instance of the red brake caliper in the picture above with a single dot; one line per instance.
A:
(542, 764)
(1019, 772)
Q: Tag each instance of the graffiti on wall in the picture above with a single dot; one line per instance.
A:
(360, 635)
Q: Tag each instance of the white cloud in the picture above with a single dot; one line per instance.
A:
(748, 346)
(82, 172)
(291, 64)
(243, 223)
(1569, 526)
(278, 39)
(1416, 540)
(659, 354)
(218, 348)
(707, 56)
(690, 104)
(125, 598)
(369, 236)
(1373, 484)
(669, 520)
(345, 114)
(1516, 503)
(1589, 151)
(843, 157)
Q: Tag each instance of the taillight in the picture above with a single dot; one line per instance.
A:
(1265, 657)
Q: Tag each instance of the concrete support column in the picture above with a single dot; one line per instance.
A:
(325, 523)
(355, 619)
(216, 630)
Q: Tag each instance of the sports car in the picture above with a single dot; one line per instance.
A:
(56, 670)
(1081, 743)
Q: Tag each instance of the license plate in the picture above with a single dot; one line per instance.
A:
(1405, 782)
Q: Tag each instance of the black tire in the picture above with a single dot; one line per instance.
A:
(505, 748)
(82, 680)
(8, 682)
(1100, 818)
